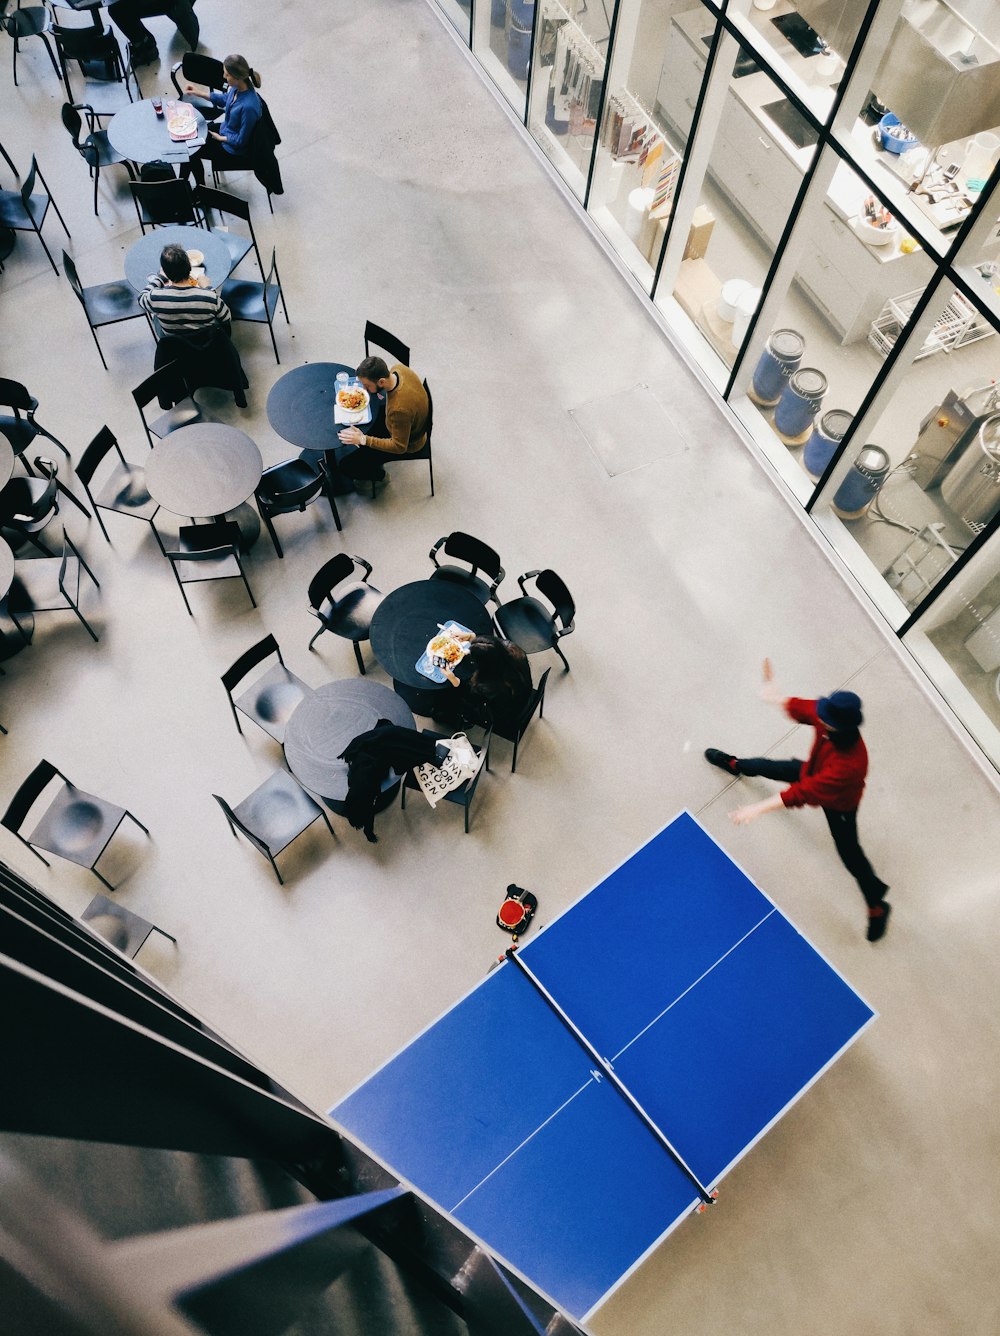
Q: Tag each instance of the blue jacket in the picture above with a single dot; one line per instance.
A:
(242, 113)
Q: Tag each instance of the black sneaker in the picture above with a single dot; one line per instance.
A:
(722, 759)
(144, 53)
(878, 923)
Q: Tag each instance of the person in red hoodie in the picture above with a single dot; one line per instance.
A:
(833, 778)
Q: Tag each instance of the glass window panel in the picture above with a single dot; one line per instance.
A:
(571, 48)
(957, 642)
(925, 478)
(850, 291)
(458, 13)
(808, 43)
(502, 40)
(939, 79)
(653, 85)
(979, 259)
(760, 148)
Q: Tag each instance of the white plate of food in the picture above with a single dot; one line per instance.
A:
(445, 650)
(352, 401)
(182, 126)
(196, 257)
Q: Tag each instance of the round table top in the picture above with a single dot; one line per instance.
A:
(143, 257)
(6, 461)
(408, 617)
(141, 136)
(326, 721)
(205, 469)
(6, 568)
(300, 405)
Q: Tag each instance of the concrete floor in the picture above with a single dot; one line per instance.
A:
(873, 1207)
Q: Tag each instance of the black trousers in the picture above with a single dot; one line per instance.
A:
(213, 151)
(843, 825)
(362, 463)
(128, 15)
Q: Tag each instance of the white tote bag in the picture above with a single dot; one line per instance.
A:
(461, 763)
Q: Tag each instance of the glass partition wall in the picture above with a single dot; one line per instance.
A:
(809, 196)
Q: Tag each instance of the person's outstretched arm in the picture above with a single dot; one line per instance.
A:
(774, 695)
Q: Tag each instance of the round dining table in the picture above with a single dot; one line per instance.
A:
(300, 406)
(204, 470)
(141, 136)
(407, 619)
(143, 257)
(14, 635)
(326, 721)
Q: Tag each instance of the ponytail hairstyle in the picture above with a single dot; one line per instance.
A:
(238, 67)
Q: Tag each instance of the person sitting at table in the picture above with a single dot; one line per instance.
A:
(494, 685)
(180, 302)
(196, 327)
(405, 410)
(229, 142)
(128, 15)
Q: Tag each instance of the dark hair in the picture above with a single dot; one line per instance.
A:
(175, 263)
(372, 368)
(239, 68)
(843, 738)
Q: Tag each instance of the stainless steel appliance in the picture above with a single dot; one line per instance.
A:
(972, 487)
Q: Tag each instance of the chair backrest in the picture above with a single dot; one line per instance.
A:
(164, 201)
(271, 280)
(21, 803)
(430, 412)
(202, 69)
(19, 501)
(383, 339)
(478, 554)
(331, 574)
(295, 498)
(29, 184)
(207, 542)
(73, 122)
(15, 395)
(234, 820)
(69, 269)
(550, 586)
(221, 201)
(250, 659)
(534, 701)
(168, 382)
(88, 43)
(99, 447)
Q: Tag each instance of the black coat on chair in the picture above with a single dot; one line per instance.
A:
(206, 359)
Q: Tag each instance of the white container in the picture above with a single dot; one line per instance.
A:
(745, 307)
(763, 4)
(981, 157)
(640, 201)
(732, 290)
(876, 236)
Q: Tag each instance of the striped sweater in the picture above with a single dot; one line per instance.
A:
(184, 308)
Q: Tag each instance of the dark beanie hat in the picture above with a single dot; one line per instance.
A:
(841, 709)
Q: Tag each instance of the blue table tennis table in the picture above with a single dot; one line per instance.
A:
(591, 1093)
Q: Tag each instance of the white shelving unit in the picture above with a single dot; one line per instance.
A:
(959, 324)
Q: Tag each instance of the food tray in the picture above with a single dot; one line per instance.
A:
(425, 664)
(352, 416)
(181, 128)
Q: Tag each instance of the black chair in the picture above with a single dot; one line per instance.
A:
(257, 302)
(292, 485)
(466, 791)
(122, 487)
(207, 552)
(463, 547)
(53, 584)
(9, 161)
(344, 605)
(24, 211)
(95, 149)
(166, 386)
(119, 927)
(206, 358)
(75, 825)
(226, 205)
(35, 21)
(529, 623)
(204, 70)
(28, 504)
(104, 303)
(107, 78)
(272, 698)
(165, 203)
(387, 342)
(536, 701)
(275, 814)
(21, 431)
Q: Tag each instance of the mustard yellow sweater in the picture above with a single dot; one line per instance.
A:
(406, 410)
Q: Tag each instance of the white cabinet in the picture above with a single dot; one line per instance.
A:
(847, 280)
(680, 80)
